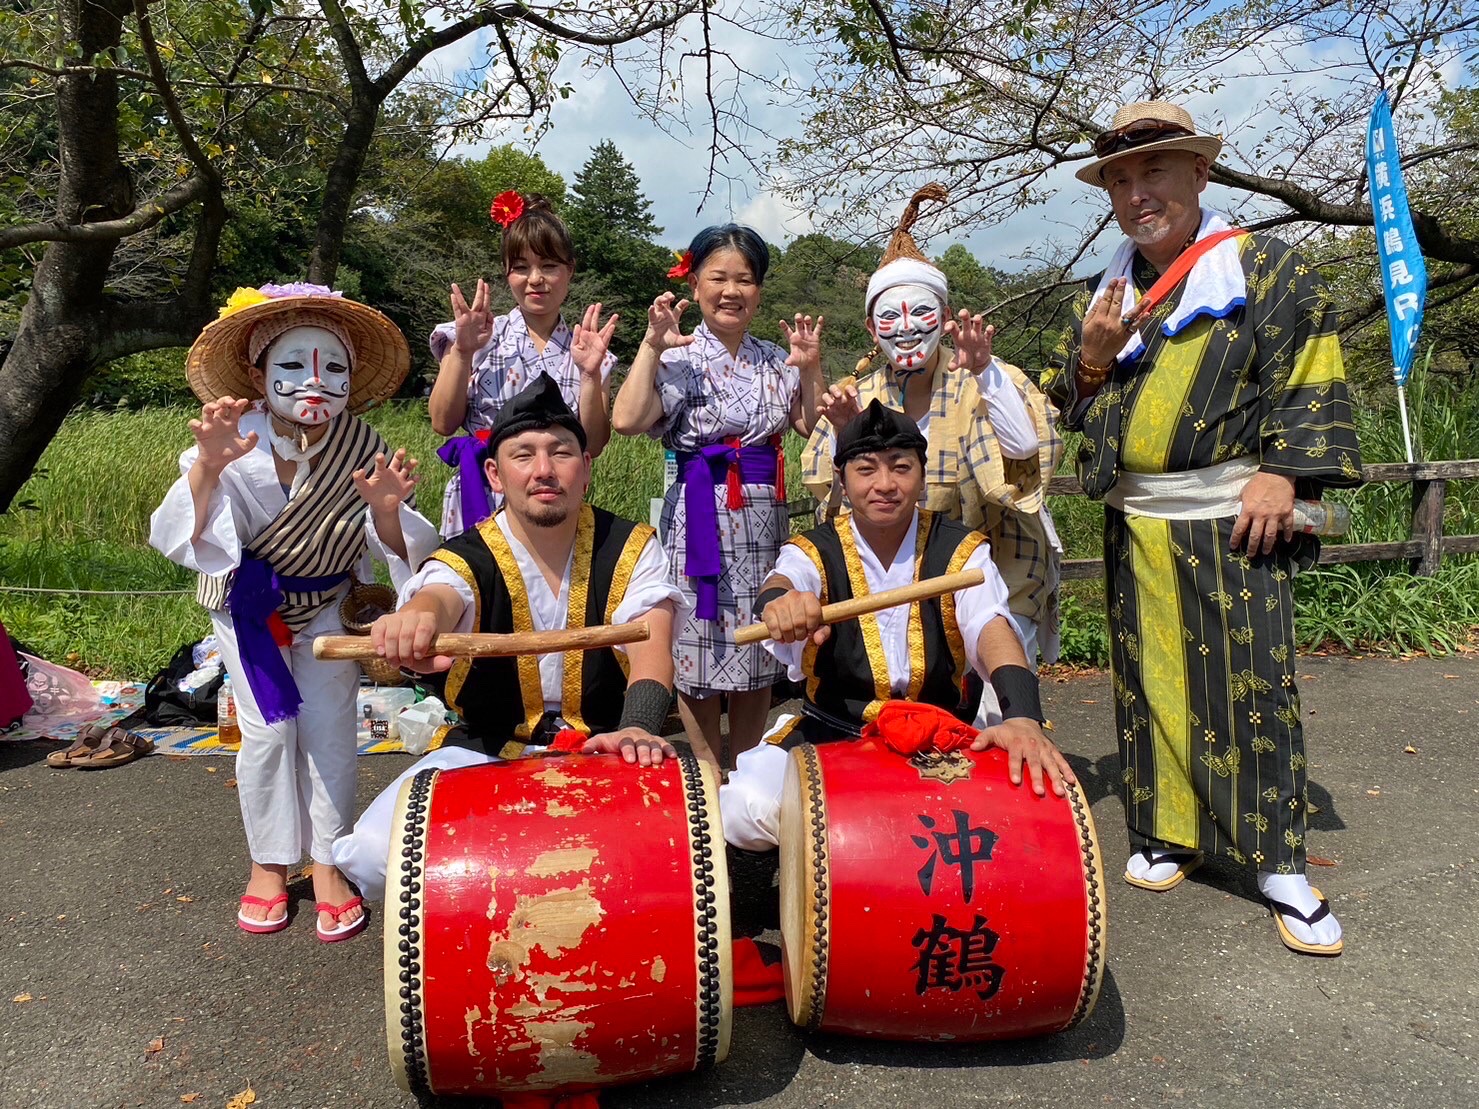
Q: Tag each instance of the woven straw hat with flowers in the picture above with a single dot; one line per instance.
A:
(221, 359)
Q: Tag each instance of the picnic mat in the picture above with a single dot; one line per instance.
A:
(203, 741)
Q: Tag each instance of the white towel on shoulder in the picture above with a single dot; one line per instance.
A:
(1215, 287)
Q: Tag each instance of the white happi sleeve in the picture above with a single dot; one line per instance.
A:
(979, 605)
(439, 573)
(421, 540)
(1015, 432)
(649, 587)
(218, 550)
(801, 572)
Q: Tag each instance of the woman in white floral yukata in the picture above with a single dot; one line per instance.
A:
(486, 360)
(721, 399)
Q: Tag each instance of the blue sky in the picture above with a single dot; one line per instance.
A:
(672, 163)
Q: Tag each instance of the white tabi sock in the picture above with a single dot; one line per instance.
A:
(1161, 866)
(1294, 890)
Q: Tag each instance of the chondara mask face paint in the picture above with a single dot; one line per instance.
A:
(907, 320)
(307, 376)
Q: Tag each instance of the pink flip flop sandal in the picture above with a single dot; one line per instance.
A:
(343, 931)
(262, 927)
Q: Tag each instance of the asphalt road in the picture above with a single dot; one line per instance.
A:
(120, 890)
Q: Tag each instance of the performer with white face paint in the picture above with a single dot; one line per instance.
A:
(279, 504)
(992, 444)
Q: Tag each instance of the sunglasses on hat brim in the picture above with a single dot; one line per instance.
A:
(1139, 133)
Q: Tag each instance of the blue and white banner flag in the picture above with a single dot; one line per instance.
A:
(1404, 276)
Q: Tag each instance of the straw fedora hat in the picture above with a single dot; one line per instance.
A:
(1144, 126)
(219, 363)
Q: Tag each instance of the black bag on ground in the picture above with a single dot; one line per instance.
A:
(166, 707)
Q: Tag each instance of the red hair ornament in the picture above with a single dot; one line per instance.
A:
(683, 267)
(507, 207)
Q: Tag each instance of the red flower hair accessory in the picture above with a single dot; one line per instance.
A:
(685, 264)
(507, 207)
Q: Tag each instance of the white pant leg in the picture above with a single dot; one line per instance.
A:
(362, 854)
(326, 760)
(750, 802)
(266, 767)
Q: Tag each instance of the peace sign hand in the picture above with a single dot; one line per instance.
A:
(805, 341)
(216, 433)
(663, 329)
(591, 341)
(972, 337)
(475, 323)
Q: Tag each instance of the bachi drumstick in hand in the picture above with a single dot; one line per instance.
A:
(490, 645)
(875, 602)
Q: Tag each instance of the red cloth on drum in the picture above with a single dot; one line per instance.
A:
(906, 728)
(568, 740)
(756, 982)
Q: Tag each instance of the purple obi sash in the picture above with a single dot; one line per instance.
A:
(701, 472)
(256, 594)
(468, 453)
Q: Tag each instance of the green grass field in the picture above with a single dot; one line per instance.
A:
(82, 523)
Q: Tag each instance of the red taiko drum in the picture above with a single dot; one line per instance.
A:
(930, 899)
(556, 924)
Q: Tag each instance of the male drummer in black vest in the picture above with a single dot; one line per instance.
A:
(547, 561)
(854, 668)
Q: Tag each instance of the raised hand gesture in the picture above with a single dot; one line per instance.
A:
(590, 341)
(840, 404)
(805, 341)
(387, 486)
(217, 434)
(474, 324)
(1104, 334)
(972, 336)
(663, 328)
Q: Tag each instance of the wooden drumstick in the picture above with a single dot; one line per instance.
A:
(490, 645)
(875, 602)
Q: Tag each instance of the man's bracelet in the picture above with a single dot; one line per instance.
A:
(646, 706)
(1017, 693)
(1088, 368)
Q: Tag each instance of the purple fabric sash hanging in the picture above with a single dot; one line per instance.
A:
(468, 453)
(256, 594)
(701, 472)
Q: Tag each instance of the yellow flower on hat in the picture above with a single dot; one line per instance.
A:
(244, 297)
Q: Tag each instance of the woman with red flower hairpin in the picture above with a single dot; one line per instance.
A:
(721, 399)
(484, 360)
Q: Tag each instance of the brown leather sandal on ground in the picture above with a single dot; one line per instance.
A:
(118, 747)
(89, 739)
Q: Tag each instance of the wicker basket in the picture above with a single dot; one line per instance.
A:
(361, 607)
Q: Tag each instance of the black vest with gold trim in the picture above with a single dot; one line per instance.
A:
(847, 680)
(502, 699)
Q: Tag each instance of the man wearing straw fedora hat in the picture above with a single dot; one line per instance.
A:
(279, 502)
(992, 443)
(1204, 371)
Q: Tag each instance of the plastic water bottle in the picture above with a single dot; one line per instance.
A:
(1321, 518)
(228, 732)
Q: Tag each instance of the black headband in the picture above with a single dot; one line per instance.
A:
(538, 407)
(878, 429)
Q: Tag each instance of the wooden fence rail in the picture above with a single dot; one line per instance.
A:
(1424, 549)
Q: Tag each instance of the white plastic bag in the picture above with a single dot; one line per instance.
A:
(419, 723)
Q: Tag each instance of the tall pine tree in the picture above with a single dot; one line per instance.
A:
(612, 225)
